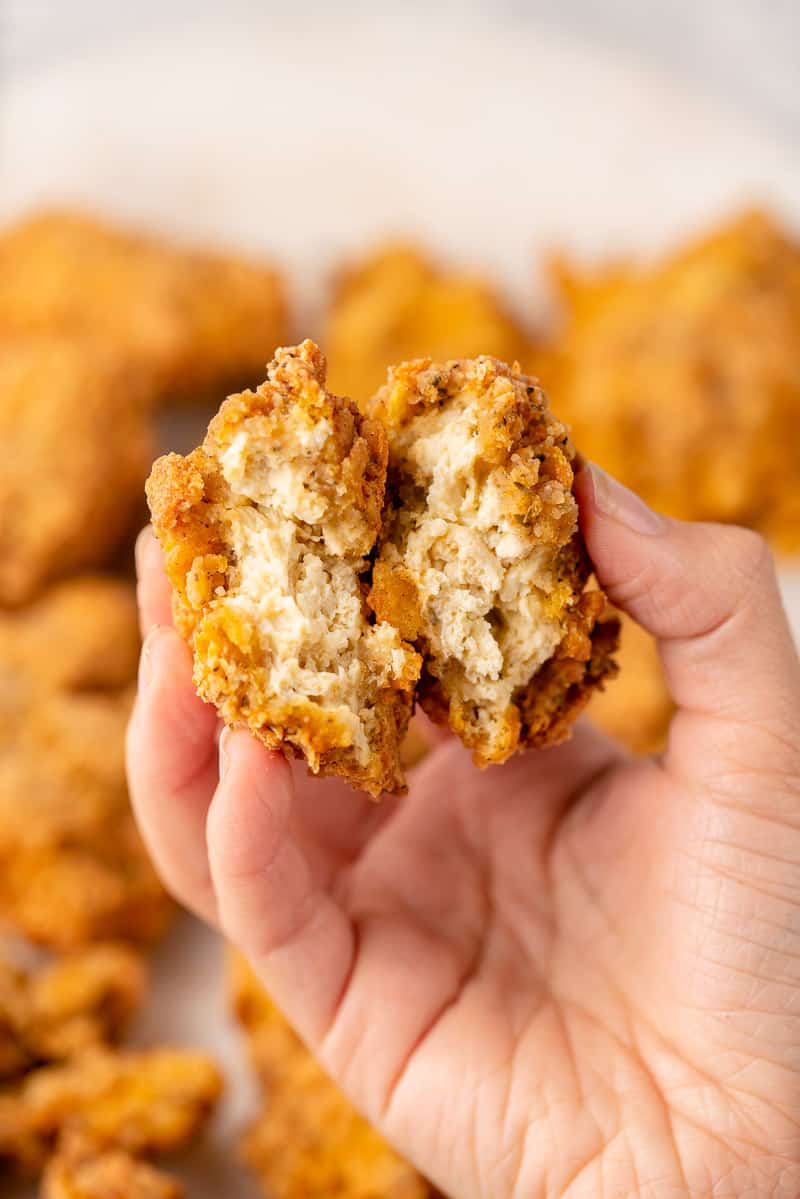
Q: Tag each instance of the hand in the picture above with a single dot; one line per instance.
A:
(574, 975)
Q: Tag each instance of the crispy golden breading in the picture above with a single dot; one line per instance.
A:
(683, 379)
(396, 305)
(75, 445)
(151, 1101)
(309, 1142)
(481, 564)
(637, 710)
(72, 866)
(266, 530)
(83, 999)
(193, 321)
(80, 1169)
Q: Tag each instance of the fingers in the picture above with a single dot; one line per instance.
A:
(172, 768)
(153, 591)
(298, 939)
(708, 593)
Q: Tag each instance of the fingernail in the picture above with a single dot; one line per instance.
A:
(223, 750)
(620, 504)
(146, 657)
(142, 541)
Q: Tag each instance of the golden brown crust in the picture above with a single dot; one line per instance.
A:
(638, 709)
(309, 1142)
(72, 866)
(681, 378)
(83, 999)
(151, 1101)
(80, 1169)
(481, 561)
(192, 321)
(74, 446)
(266, 528)
(396, 305)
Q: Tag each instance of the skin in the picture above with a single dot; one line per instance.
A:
(575, 975)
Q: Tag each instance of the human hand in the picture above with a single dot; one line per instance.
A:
(575, 975)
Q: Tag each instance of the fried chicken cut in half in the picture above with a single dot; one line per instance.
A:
(266, 530)
(143, 1102)
(193, 321)
(397, 304)
(80, 1169)
(481, 565)
(681, 378)
(78, 1001)
(72, 865)
(309, 1142)
(75, 445)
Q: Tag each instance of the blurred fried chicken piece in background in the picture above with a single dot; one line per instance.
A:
(194, 322)
(80, 1169)
(83, 999)
(72, 866)
(683, 379)
(481, 565)
(267, 528)
(75, 445)
(637, 710)
(396, 304)
(309, 1142)
(144, 1102)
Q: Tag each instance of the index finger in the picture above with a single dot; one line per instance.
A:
(153, 591)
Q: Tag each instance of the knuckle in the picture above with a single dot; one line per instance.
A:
(747, 552)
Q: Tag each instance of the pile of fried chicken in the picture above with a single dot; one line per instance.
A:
(679, 376)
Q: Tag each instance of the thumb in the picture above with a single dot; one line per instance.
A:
(709, 595)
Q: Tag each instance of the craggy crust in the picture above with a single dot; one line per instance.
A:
(83, 999)
(72, 866)
(80, 1169)
(266, 529)
(309, 1143)
(194, 321)
(638, 709)
(152, 1101)
(481, 564)
(396, 304)
(682, 378)
(74, 446)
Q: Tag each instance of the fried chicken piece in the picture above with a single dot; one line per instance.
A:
(84, 999)
(75, 445)
(481, 564)
(195, 321)
(82, 1170)
(396, 305)
(681, 379)
(309, 1143)
(72, 866)
(152, 1101)
(266, 530)
(637, 710)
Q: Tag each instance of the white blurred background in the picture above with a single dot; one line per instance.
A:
(746, 52)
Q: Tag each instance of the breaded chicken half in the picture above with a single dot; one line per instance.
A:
(397, 304)
(266, 530)
(80, 1169)
(681, 378)
(193, 321)
(309, 1142)
(481, 565)
(72, 865)
(75, 445)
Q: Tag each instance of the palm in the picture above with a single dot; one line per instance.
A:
(564, 927)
